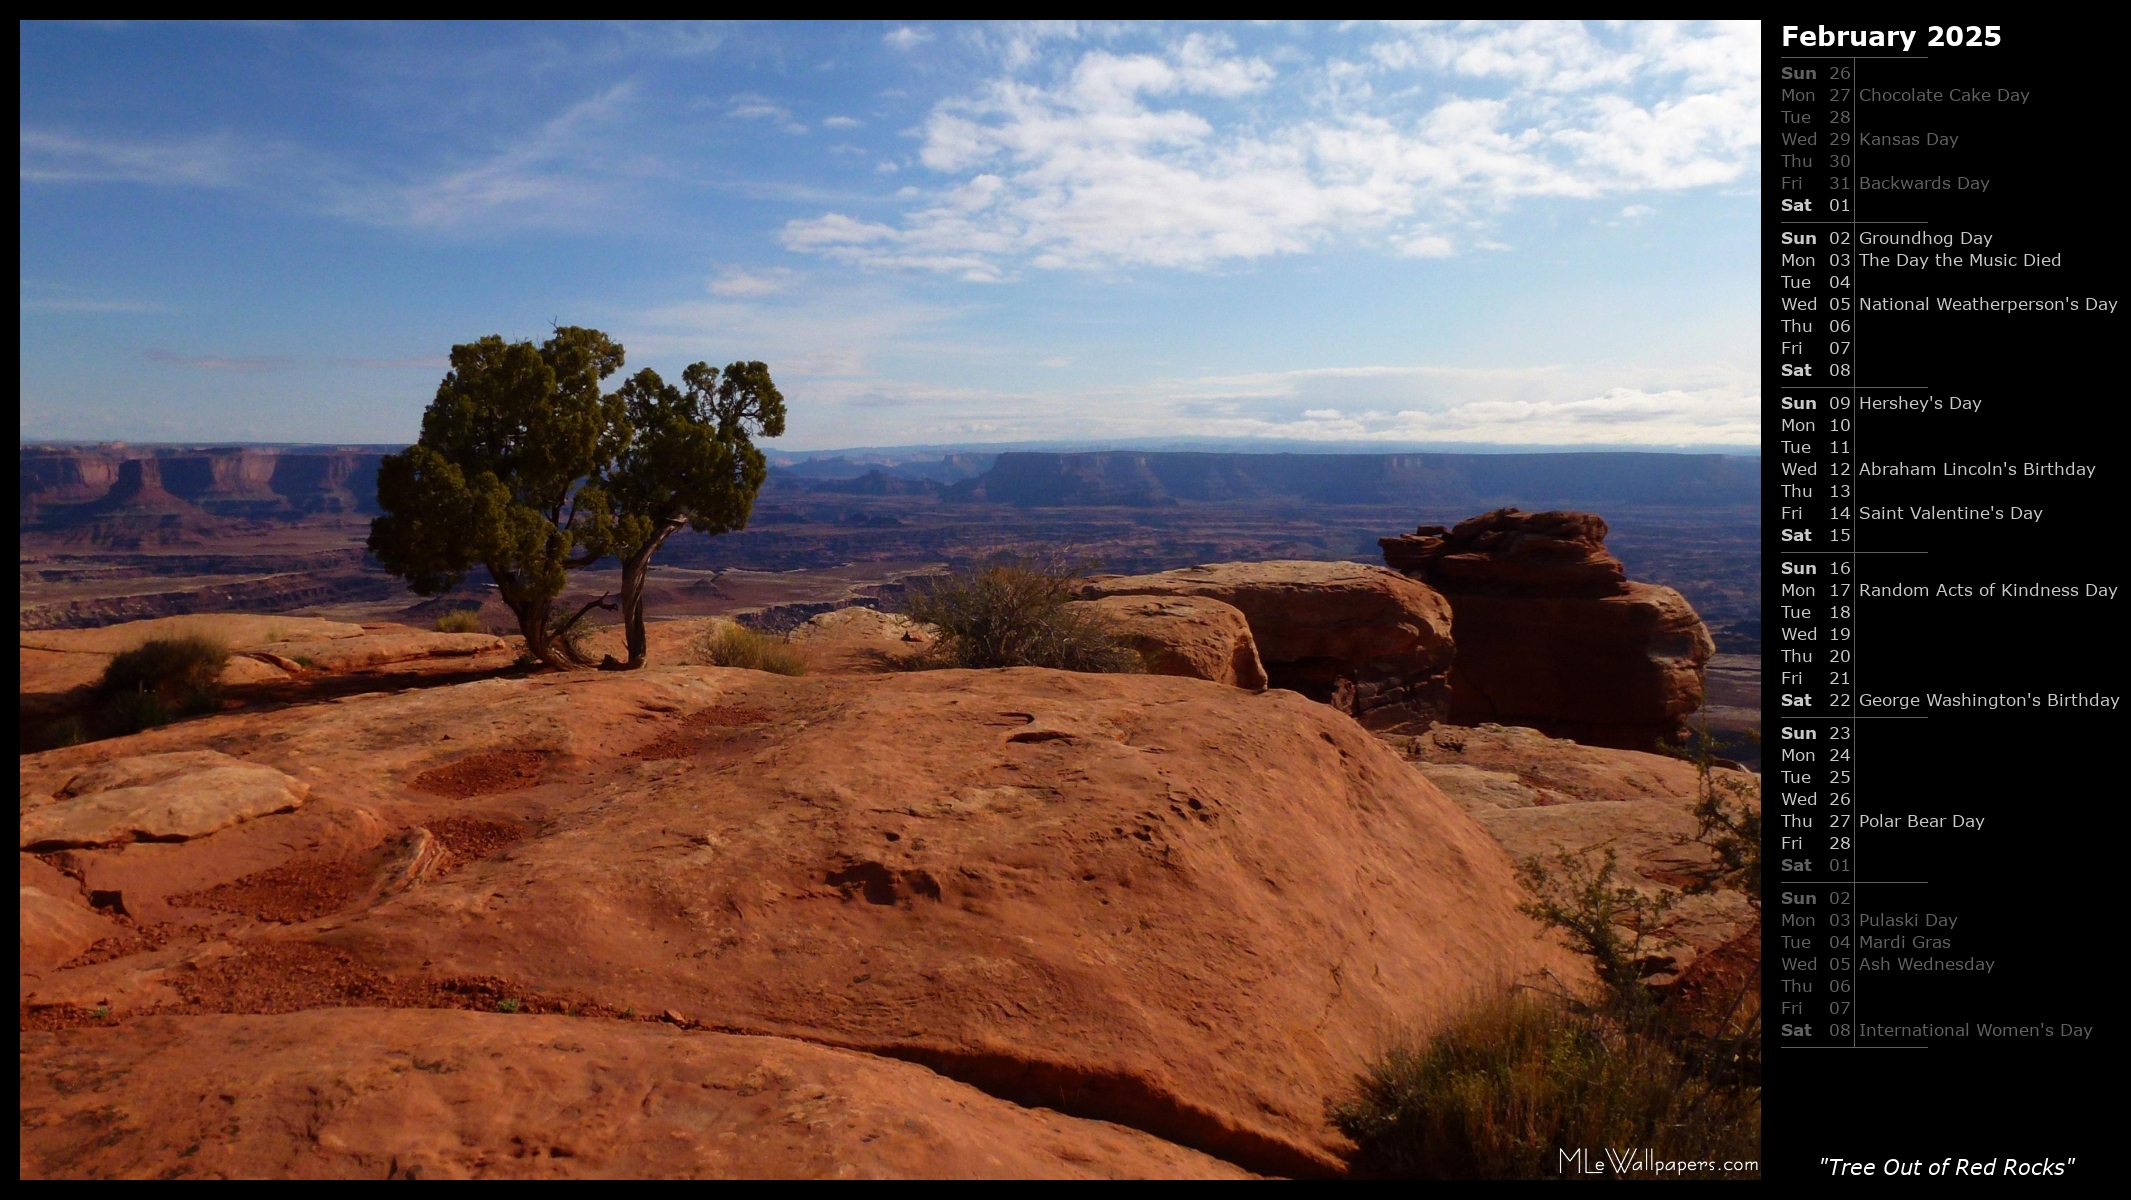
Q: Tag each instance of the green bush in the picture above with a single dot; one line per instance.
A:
(158, 680)
(1017, 615)
(460, 620)
(1518, 1083)
(728, 645)
(1616, 924)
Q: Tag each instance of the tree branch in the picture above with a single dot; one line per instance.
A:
(564, 628)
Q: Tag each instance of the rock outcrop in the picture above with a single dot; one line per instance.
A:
(1196, 637)
(1365, 640)
(1550, 632)
(1191, 910)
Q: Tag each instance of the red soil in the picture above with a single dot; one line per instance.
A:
(484, 774)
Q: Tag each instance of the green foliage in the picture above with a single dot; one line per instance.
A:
(1727, 816)
(729, 645)
(1503, 1092)
(1613, 922)
(510, 1005)
(498, 478)
(460, 620)
(158, 680)
(685, 458)
(1016, 614)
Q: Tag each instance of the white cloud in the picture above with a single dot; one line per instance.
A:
(558, 176)
(50, 157)
(565, 172)
(1197, 155)
(210, 362)
(1561, 405)
(1550, 405)
(735, 282)
(757, 108)
(842, 122)
(905, 37)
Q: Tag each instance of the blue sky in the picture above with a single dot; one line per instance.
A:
(936, 233)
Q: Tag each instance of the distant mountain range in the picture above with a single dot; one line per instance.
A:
(1136, 479)
(74, 486)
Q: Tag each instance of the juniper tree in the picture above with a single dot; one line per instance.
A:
(685, 458)
(503, 477)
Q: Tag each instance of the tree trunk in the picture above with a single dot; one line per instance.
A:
(534, 613)
(635, 569)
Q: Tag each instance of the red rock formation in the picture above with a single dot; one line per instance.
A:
(1362, 639)
(1551, 634)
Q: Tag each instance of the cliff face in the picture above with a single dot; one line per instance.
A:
(1551, 634)
(1156, 479)
(66, 487)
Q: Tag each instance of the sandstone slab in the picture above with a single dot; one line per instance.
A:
(382, 647)
(1196, 637)
(1366, 640)
(1188, 909)
(157, 798)
(377, 1093)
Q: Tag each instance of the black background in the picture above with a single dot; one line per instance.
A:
(2039, 889)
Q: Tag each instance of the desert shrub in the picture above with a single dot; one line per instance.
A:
(460, 620)
(1523, 1082)
(728, 645)
(1520, 1082)
(1612, 922)
(1728, 819)
(1014, 614)
(158, 680)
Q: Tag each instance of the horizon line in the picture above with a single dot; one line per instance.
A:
(1187, 445)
